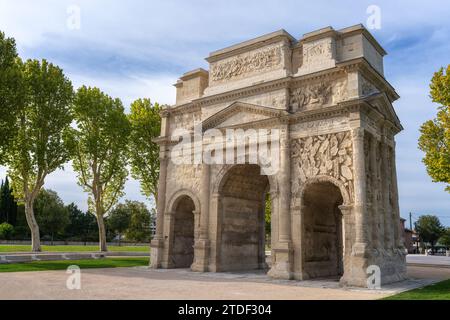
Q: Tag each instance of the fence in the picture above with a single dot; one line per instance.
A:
(72, 243)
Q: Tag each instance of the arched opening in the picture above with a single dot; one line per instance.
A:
(323, 236)
(242, 216)
(183, 233)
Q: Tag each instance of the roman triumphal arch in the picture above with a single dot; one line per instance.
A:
(325, 173)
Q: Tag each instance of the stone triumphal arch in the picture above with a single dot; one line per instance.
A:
(333, 199)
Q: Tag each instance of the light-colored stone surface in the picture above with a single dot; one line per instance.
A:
(334, 198)
(418, 259)
(143, 283)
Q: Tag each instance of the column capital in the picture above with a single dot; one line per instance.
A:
(358, 133)
(345, 209)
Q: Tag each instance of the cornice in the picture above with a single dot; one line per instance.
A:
(357, 64)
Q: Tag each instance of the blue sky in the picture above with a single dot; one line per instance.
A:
(132, 49)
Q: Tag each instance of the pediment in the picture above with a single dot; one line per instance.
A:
(383, 105)
(239, 113)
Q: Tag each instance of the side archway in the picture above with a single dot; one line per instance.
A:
(322, 229)
(183, 214)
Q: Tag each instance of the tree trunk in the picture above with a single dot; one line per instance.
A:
(101, 233)
(34, 228)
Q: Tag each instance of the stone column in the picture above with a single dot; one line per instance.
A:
(355, 273)
(282, 259)
(201, 247)
(347, 239)
(360, 207)
(374, 208)
(388, 232)
(399, 241)
(157, 244)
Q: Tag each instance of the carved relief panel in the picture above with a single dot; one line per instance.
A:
(328, 154)
(313, 96)
(243, 65)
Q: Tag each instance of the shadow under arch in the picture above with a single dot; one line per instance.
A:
(178, 195)
(226, 170)
(297, 199)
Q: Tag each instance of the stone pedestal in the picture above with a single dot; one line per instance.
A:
(201, 256)
(156, 251)
(281, 261)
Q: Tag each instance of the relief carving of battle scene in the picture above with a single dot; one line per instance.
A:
(329, 154)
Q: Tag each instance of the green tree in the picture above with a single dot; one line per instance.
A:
(100, 157)
(144, 154)
(6, 231)
(430, 229)
(12, 91)
(8, 205)
(82, 225)
(445, 238)
(51, 214)
(21, 229)
(119, 220)
(139, 228)
(435, 134)
(40, 145)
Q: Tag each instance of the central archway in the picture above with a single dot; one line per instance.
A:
(241, 212)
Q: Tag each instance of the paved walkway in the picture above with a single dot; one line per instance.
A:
(144, 283)
(419, 259)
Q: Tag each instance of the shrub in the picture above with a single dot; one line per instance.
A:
(6, 231)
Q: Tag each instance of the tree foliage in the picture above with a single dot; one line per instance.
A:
(8, 204)
(39, 146)
(140, 218)
(12, 91)
(445, 238)
(119, 219)
(429, 228)
(435, 134)
(82, 225)
(6, 231)
(51, 214)
(144, 154)
(100, 144)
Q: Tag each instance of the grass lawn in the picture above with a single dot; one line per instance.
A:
(83, 264)
(26, 248)
(438, 291)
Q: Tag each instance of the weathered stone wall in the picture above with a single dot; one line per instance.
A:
(334, 197)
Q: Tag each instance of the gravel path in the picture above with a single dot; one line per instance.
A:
(144, 283)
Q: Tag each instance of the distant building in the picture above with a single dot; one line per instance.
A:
(408, 237)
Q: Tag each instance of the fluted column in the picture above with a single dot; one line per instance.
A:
(157, 244)
(374, 188)
(282, 253)
(386, 176)
(204, 216)
(399, 242)
(201, 246)
(360, 207)
(285, 188)
(161, 201)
